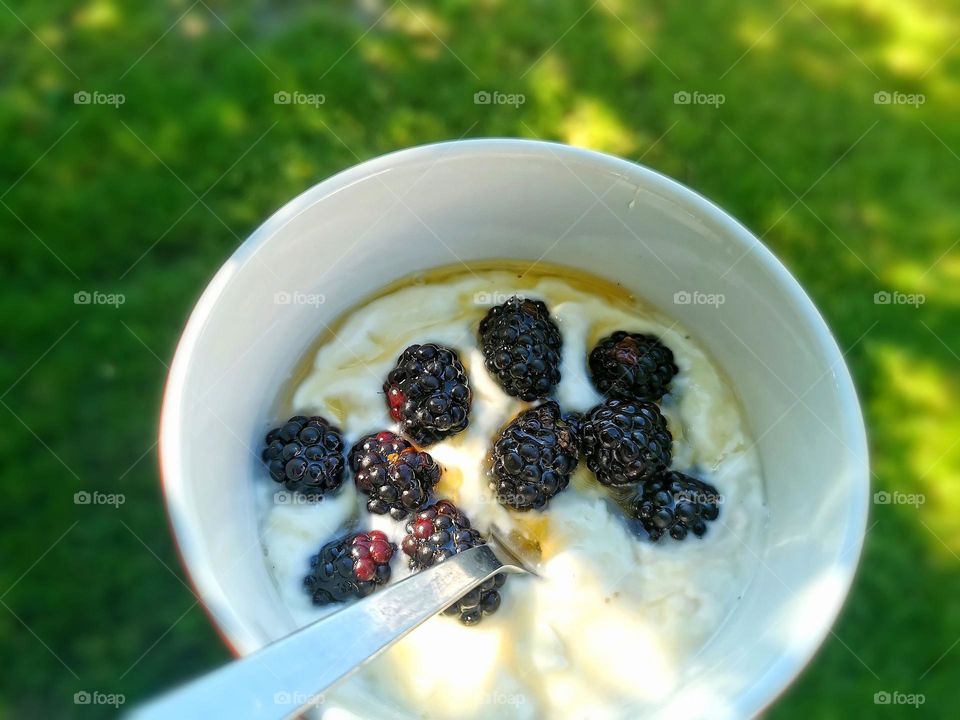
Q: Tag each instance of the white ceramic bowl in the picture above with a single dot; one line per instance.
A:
(482, 199)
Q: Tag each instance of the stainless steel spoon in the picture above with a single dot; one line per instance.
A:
(290, 675)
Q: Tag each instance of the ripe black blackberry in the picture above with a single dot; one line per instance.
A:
(350, 567)
(428, 393)
(381, 443)
(675, 504)
(521, 347)
(533, 457)
(632, 366)
(395, 476)
(306, 455)
(439, 532)
(626, 442)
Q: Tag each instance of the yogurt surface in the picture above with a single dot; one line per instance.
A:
(615, 623)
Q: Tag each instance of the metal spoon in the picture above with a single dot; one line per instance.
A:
(301, 666)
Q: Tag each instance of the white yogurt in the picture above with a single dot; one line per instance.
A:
(615, 623)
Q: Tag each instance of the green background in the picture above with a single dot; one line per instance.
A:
(147, 200)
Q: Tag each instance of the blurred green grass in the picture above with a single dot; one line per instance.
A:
(148, 198)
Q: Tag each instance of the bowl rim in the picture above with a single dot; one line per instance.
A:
(227, 622)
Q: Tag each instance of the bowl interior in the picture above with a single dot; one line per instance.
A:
(478, 200)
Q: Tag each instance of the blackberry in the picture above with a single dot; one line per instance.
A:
(632, 366)
(533, 457)
(439, 532)
(626, 442)
(381, 443)
(395, 476)
(521, 348)
(675, 504)
(428, 393)
(306, 455)
(350, 567)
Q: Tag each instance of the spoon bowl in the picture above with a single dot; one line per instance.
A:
(306, 663)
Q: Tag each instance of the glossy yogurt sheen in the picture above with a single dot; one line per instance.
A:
(615, 624)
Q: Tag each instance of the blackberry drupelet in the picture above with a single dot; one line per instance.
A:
(306, 455)
(439, 532)
(428, 393)
(676, 505)
(350, 567)
(632, 366)
(626, 442)
(533, 457)
(521, 346)
(396, 477)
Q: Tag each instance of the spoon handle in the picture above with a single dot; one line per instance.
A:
(291, 674)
